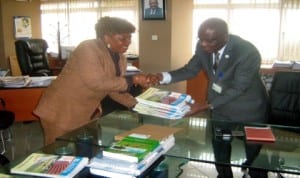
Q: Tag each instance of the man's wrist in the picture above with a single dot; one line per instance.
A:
(166, 78)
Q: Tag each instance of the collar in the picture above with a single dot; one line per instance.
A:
(221, 51)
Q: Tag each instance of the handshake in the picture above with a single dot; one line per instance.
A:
(147, 80)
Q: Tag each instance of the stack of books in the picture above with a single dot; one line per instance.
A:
(133, 154)
(162, 103)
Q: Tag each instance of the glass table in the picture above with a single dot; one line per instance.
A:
(159, 169)
(196, 141)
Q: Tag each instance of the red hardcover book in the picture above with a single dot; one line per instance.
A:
(259, 134)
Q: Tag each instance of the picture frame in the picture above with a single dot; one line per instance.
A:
(22, 27)
(156, 12)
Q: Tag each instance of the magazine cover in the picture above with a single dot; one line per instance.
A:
(163, 103)
(48, 165)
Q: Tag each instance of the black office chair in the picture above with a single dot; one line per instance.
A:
(285, 99)
(32, 57)
(285, 102)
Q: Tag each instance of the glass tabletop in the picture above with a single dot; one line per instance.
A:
(165, 167)
(59, 148)
(101, 131)
(196, 140)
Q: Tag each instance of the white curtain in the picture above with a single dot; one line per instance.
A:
(290, 30)
(68, 22)
(271, 25)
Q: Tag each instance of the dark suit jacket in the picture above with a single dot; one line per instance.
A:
(243, 96)
(158, 13)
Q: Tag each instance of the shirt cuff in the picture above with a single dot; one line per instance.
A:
(166, 78)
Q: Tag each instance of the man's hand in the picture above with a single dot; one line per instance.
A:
(197, 107)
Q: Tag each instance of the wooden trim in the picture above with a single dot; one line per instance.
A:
(197, 87)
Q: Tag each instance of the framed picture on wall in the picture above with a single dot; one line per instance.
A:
(154, 9)
(22, 27)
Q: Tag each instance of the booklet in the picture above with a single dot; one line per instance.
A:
(259, 134)
(152, 131)
(131, 149)
(48, 165)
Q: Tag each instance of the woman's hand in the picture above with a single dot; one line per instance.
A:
(142, 80)
(148, 80)
(154, 79)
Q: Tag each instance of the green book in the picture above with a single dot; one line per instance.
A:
(131, 149)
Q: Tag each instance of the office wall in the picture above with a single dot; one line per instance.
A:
(173, 47)
(1, 37)
(181, 43)
(9, 9)
(170, 51)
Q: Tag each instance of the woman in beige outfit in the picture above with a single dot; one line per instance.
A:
(94, 70)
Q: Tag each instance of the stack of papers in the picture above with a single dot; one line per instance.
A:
(296, 65)
(15, 81)
(41, 81)
(162, 103)
(282, 64)
(25, 81)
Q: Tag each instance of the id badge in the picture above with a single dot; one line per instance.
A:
(217, 88)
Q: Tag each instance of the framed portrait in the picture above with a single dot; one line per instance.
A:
(22, 27)
(154, 9)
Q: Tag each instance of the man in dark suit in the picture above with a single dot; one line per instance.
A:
(236, 91)
(232, 64)
(154, 11)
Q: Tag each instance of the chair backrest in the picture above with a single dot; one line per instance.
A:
(285, 99)
(32, 57)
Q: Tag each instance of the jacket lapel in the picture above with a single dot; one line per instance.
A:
(226, 55)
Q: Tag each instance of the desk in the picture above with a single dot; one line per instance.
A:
(81, 150)
(194, 140)
(22, 101)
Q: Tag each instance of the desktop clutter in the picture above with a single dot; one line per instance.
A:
(25, 81)
(133, 154)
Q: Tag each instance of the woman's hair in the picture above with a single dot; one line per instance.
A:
(113, 25)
